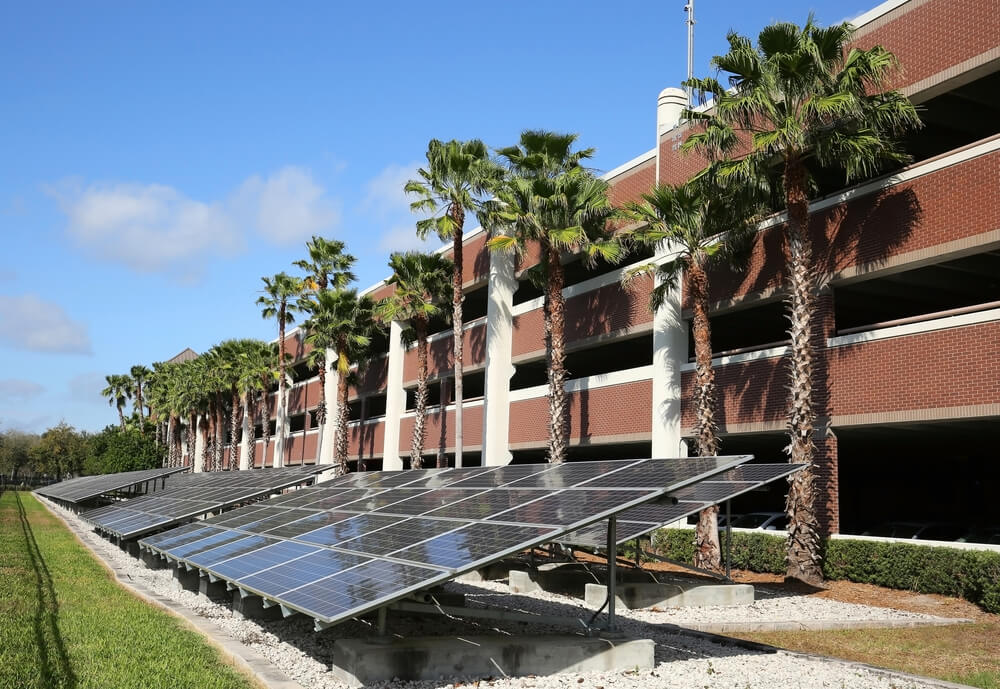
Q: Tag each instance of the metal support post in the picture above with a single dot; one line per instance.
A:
(729, 540)
(612, 554)
(383, 616)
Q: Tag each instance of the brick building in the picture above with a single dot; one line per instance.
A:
(908, 372)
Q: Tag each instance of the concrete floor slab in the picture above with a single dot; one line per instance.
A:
(358, 662)
(671, 595)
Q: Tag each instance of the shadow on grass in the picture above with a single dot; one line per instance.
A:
(53, 664)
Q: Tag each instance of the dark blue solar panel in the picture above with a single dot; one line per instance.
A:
(569, 507)
(300, 572)
(472, 543)
(180, 535)
(245, 565)
(212, 556)
(361, 587)
(347, 529)
(400, 535)
(426, 502)
(221, 537)
(314, 521)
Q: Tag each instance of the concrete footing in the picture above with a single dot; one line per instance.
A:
(670, 595)
(186, 580)
(214, 590)
(491, 572)
(358, 662)
(567, 578)
(152, 560)
(252, 608)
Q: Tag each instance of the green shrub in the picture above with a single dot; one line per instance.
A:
(970, 574)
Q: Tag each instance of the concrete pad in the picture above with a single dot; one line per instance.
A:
(491, 572)
(670, 595)
(252, 608)
(570, 579)
(358, 662)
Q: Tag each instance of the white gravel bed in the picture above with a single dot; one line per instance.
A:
(681, 660)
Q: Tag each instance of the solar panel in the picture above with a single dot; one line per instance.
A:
(347, 546)
(681, 503)
(194, 495)
(88, 487)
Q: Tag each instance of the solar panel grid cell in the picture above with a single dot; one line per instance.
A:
(299, 572)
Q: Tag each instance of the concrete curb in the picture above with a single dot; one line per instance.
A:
(255, 666)
(822, 625)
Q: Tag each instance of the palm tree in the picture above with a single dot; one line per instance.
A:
(421, 283)
(139, 375)
(258, 371)
(118, 392)
(328, 266)
(279, 302)
(802, 99)
(457, 176)
(549, 199)
(703, 224)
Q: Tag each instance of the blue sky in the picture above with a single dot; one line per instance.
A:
(158, 159)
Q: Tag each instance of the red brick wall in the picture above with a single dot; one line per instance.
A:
(944, 368)
(606, 411)
(629, 185)
(301, 449)
(439, 354)
(596, 312)
(442, 435)
(366, 439)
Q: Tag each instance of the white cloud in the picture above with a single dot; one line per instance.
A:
(86, 387)
(18, 390)
(31, 323)
(386, 201)
(149, 228)
(157, 228)
(288, 206)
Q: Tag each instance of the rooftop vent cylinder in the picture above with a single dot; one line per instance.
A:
(669, 106)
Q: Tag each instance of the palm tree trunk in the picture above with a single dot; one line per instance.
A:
(265, 415)
(235, 415)
(558, 432)
(280, 405)
(708, 553)
(458, 218)
(219, 428)
(252, 414)
(420, 408)
(340, 445)
(121, 416)
(321, 405)
(138, 404)
(192, 430)
(804, 560)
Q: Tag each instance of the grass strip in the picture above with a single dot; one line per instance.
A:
(66, 624)
(963, 653)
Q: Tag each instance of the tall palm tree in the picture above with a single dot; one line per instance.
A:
(703, 224)
(549, 199)
(118, 392)
(421, 283)
(328, 266)
(279, 302)
(457, 177)
(342, 322)
(804, 100)
(139, 374)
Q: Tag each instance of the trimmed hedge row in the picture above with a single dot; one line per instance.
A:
(970, 574)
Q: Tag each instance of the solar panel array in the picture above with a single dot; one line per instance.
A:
(193, 495)
(88, 487)
(347, 546)
(679, 504)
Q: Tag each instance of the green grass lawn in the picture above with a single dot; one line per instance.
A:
(65, 623)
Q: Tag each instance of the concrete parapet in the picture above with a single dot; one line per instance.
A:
(670, 595)
(358, 662)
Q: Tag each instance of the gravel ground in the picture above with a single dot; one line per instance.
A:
(681, 660)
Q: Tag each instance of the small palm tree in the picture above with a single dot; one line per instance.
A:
(457, 177)
(279, 302)
(421, 283)
(118, 392)
(803, 99)
(328, 266)
(549, 199)
(703, 224)
(258, 370)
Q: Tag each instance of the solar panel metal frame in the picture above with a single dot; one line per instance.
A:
(550, 533)
(290, 478)
(106, 483)
(596, 535)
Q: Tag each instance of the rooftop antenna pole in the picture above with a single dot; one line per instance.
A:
(689, 8)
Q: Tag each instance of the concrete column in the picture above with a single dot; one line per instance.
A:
(328, 431)
(499, 369)
(395, 399)
(245, 440)
(199, 446)
(670, 351)
(280, 430)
